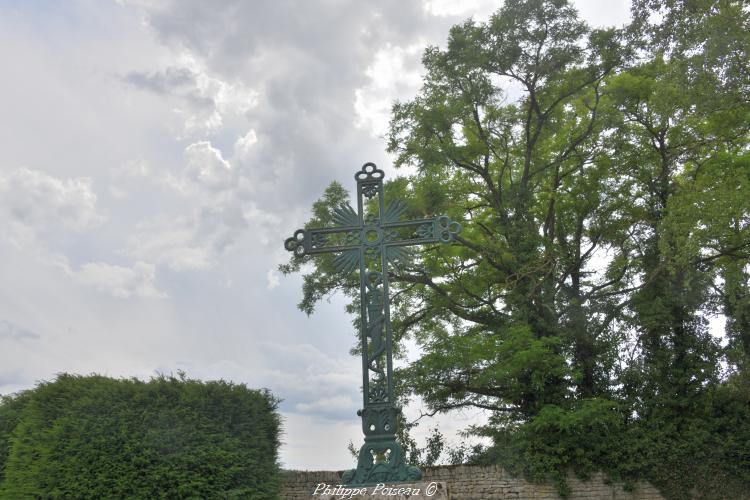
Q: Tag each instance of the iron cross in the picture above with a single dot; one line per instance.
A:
(372, 238)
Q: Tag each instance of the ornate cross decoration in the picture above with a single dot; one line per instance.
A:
(372, 238)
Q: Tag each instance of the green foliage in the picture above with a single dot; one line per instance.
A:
(606, 219)
(586, 438)
(521, 367)
(704, 452)
(96, 437)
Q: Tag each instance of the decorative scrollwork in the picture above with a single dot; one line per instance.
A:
(352, 238)
(346, 262)
(318, 240)
(398, 256)
(378, 420)
(344, 215)
(371, 220)
(378, 392)
(372, 253)
(296, 244)
(370, 190)
(381, 458)
(446, 229)
(369, 172)
(394, 211)
(372, 236)
(375, 323)
(425, 231)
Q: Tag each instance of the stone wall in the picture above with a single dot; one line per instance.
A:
(470, 482)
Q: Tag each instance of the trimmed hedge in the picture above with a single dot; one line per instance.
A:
(97, 437)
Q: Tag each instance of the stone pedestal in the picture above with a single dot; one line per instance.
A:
(423, 490)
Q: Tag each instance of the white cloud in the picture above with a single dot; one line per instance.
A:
(302, 446)
(333, 405)
(39, 207)
(11, 331)
(112, 279)
(120, 281)
(197, 241)
(394, 73)
(321, 384)
(171, 241)
(217, 214)
(244, 145)
(479, 9)
(127, 176)
(272, 279)
(450, 7)
(221, 210)
(206, 166)
(598, 13)
(133, 169)
(202, 100)
(33, 201)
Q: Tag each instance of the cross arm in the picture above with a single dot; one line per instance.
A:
(416, 232)
(323, 240)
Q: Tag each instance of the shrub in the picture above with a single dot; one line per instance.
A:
(97, 437)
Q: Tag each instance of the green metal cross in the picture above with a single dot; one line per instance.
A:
(372, 238)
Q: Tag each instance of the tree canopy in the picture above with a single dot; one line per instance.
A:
(602, 177)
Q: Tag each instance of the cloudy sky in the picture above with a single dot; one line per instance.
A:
(154, 154)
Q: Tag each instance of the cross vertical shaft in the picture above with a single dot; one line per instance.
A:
(371, 239)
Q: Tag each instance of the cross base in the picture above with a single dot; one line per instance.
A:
(381, 461)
